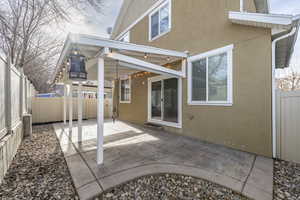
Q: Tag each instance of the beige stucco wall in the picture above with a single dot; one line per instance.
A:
(200, 26)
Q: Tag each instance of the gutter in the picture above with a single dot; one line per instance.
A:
(274, 132)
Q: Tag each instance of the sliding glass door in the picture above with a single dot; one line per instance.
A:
(164, 100)
(170, 100)
(156, 100)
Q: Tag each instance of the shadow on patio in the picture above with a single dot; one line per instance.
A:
(132, 151)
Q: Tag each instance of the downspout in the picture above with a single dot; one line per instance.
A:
(274, 134)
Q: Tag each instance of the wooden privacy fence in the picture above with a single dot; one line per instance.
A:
(288, 125)
(46, 110)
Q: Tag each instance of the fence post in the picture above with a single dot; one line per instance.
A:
(278, 123)
(8, 113)
(21, 93)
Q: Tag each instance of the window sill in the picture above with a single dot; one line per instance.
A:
(209, 104)
(158, 36)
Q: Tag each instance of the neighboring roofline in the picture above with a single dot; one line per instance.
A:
(119, 35)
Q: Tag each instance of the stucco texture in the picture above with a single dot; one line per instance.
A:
(200, 26)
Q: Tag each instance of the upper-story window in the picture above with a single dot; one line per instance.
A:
(160, 21)
(210, 77)
(126, 37)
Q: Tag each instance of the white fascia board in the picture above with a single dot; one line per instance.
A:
(101, 42)
(277, 31)
(146, 66)
(284, 20)
(62, 55)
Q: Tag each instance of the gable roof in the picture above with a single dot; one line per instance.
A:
(130, 11)
(134, 10)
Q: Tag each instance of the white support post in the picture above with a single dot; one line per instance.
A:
(100, 111)
(65, 105)
(70, 108)
(25, 95)
(79, 104)
(241, 5)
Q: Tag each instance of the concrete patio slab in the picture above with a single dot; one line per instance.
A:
(131, 151)
(80, 172)
(89, 191)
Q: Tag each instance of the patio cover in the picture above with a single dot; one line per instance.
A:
(105, 59)
(129, 57)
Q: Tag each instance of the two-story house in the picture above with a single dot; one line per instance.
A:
(200, 68)
(226, 97)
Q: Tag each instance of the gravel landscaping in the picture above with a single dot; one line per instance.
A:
(286, 180)
(171, 187)
(39, 170)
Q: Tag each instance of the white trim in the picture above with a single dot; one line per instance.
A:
(79, 110)
(100, 110)
(241, 5)
(146, 65)
(227, 49)
(65, 104)
(88, 40)
(15, 124)
(122, 79)
(81, 39)
(15, 70)
(271, 19)
(274, 132)
(150, 21)
(139, 19)
(3, 132)
(64, 51)
(70, 94)
(161, 122)
(125, 37)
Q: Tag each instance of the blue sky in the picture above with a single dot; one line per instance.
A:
(97, 24)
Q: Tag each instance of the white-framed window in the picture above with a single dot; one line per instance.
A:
(125, 90)
(210, 78)
(160, 20)
(125, 37)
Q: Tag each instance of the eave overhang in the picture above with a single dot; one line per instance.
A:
(279, 24)
(277, 21)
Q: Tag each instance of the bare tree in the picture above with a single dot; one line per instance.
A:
(290, 82)
(24, 38)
